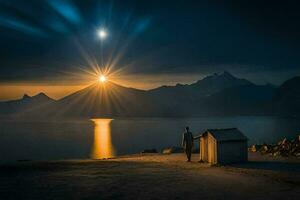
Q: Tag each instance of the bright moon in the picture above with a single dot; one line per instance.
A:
(102, 33)
(102, 78)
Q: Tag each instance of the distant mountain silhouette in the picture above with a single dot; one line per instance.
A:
(287, 99)
(107, 99)
(99, 100)
(183, 100)
(248, 99)
(25, 103)
(217, 94)
(204, 87)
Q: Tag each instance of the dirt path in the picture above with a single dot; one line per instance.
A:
(149, 177)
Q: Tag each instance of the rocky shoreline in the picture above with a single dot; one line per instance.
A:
(283, 148)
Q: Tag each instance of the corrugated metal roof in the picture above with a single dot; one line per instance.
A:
(229, 134)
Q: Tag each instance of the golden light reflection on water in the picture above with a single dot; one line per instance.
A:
(102, 147)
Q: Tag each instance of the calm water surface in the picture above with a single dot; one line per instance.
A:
(101, 138)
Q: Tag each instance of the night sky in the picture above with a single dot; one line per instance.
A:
(159, 42)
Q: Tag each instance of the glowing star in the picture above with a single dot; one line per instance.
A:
(102, 79)
(102, 34)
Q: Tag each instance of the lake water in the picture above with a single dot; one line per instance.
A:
(100, 138)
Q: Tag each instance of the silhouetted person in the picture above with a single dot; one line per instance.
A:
(188, 143)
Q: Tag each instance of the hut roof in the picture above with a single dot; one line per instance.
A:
(229, 134)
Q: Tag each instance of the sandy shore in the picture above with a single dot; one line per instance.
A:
(151, 177)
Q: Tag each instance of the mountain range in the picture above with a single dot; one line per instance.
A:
(217, 94)
(24, 104)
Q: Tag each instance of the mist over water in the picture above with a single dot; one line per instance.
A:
(103, 138)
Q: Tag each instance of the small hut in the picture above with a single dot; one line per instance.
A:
(223, 146)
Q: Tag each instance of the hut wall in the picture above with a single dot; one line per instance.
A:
(232, 152)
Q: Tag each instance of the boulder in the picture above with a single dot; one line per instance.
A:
(264, 148)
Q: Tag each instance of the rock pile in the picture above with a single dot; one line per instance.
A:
(282, 148)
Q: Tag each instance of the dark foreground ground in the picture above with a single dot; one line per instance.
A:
(151, 177)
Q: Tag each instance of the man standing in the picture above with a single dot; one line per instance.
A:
(188, 143)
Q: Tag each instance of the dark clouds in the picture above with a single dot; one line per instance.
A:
(44, 38)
